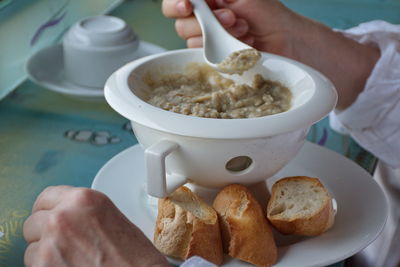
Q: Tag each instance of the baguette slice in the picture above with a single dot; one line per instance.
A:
(246, 233)
(300, 205)
(186, 226)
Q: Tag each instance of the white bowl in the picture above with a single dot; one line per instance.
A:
(197, 150)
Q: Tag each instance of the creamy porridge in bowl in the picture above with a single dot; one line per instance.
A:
(201, 91)
(200, 150)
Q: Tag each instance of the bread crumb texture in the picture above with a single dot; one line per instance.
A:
(300, 205)
(186, 226)
(246, 233)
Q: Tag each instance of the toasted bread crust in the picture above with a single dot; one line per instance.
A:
(180, 233)
(246, 232)
(316, 223)
(206, 242)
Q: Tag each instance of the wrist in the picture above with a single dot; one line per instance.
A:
(344, 61)
(357, 62)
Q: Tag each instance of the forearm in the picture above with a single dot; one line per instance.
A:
(372, 120)
(344, 61)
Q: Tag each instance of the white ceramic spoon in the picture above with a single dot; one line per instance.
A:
(217, 42)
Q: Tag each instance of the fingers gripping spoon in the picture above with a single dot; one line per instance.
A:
(219, 45)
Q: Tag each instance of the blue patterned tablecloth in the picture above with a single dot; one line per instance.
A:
(50, 139)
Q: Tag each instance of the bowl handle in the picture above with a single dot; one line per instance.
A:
(155, 165)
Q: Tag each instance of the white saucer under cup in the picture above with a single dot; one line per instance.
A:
(89, 60)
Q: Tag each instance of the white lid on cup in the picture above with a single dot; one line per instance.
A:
(101, 31)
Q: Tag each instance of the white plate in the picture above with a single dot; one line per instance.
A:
(46, 68)
(361, 215)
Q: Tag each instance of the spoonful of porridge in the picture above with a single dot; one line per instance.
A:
(222, 51)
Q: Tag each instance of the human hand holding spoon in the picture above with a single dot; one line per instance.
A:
(222, 51)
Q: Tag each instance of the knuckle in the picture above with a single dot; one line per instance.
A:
(195, 42)
(57, 222)
(190, 43)
(180, 28)
(25, 226)
(170, 9)
(166, 8)
(48, 188)
(43, 193)
(85, 197)
(29, 255)
(46, 254)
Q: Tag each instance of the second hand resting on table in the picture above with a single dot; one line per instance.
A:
(81, 227)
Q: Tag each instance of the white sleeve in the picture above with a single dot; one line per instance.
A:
(196, 261)
(373, 120)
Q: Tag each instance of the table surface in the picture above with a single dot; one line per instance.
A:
(50, 139)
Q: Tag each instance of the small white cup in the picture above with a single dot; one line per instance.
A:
(95, 47)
